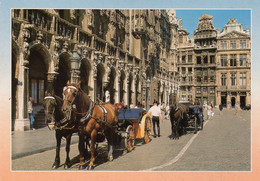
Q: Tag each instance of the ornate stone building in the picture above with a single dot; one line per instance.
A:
(233, 65)
(116, 50)
(186, 62)
(215, 66)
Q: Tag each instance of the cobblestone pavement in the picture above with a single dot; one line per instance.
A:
(224, 144)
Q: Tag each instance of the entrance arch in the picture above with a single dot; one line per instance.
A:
(233, 101)
(38, 68)
(136, 96)
(121, 86)
(111, 85)
(63, 74)
(85, 70)
(100, 75)
(130, 83)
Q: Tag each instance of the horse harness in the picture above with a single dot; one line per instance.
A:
(62, 123)
(181, 109)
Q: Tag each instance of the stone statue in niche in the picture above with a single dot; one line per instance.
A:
(107, 96)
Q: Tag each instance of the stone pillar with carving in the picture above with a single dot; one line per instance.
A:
(22, 122)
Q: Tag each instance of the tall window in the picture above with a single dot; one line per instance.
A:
(242, 80)
(223, 79)
(223, 60)
(183, 59)
(232, 44)
(242, 59)
(198, 78)
(198, 91)
(212, 59)
(233, 60)
(183, 70)
(233, 78)
(242, 43)
(223, 45)
(189, 58)
(198, 60)
(190, 79)
(205, 78)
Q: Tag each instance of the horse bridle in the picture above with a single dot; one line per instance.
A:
(62, 123)
(50, 97)
(72, 107)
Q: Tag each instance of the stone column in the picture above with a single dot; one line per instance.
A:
(218, 101)
(228, 100)
(126, 90)
(22, 122)
(238, 98)
(248, 97)
(116, 87)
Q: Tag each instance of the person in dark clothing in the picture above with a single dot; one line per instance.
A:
(220, 109)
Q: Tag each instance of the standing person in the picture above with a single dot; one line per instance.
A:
(30, 111)
(220, 109)
(212, 113)
(237, 108)
(156, 117)
(209, 111)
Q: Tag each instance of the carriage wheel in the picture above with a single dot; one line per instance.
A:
(147, 130)
(130, 138)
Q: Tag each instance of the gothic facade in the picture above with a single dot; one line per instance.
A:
(114, 50)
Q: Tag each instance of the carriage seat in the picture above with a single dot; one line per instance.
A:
(133, 113)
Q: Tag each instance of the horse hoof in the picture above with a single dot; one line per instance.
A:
(110, 158)
(66, 166)
(54, 166)
(81, 167)
(90, 167)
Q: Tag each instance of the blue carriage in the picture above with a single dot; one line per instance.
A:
(134, 124)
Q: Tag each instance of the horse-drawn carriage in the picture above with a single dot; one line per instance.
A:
(134, 124)
(195, 116)
(93, 121)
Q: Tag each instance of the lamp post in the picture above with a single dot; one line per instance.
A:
(167, 94)
(148, 83)
(74, 61)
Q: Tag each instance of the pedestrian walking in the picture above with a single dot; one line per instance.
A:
(237, 108)
(30, 111)
(220, 109)
(156, 117)
(209, 108)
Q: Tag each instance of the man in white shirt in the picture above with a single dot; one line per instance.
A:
(156, 117)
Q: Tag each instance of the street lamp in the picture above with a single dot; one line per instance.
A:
(167, 93)
(148, 83)
(74, 61)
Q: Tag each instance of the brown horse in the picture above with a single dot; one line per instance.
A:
(93, 118)
(54, 118)
(179, 120)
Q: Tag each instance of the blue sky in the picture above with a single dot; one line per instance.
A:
(220, 17)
